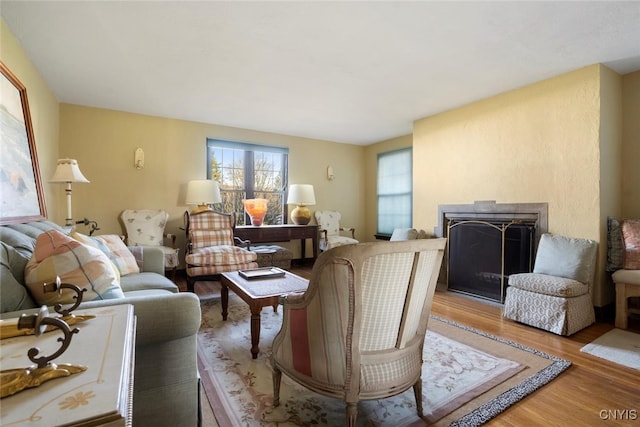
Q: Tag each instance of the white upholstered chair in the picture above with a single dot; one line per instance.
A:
(330, 230)
(556, 296)
(358, 331)
(145, 227)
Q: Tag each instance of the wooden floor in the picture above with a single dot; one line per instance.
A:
(591, 392)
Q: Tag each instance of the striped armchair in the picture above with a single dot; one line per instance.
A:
(357, 332)
(211, 249)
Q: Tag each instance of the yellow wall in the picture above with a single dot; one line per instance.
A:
(610, 172)
(631, 145)
(536, 144)
(43, 106)
(371, 188)
(104, 142)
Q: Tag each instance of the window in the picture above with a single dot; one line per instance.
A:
(249, 171)
(395, 191)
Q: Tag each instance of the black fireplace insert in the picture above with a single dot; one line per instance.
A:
(483, 253)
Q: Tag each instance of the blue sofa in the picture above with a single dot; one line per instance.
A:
(166, 383)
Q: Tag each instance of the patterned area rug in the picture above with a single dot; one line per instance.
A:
(469, 377)
(618, 346)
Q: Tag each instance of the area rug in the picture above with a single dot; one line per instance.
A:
(618, 346)
(469, 377)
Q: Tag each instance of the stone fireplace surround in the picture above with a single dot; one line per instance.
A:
(489, 210)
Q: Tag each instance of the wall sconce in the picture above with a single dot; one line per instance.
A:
(330, 174)
(138, 159)
(93, 225)
(67, 172)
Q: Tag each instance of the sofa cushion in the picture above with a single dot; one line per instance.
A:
(13, 295)
(220, 255)
(143, 281)
(576, 255)
(58, 255)
(20, 242)
(631, 235)
(629, 277)
(548, 285)
(35, 228)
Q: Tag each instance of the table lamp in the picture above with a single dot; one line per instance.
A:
(202, 193)
(301, 195)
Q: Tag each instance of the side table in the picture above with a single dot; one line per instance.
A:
(101, 395)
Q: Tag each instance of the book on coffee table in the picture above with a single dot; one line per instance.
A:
(262, 273)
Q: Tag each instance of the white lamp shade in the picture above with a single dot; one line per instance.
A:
(203, 192)
(67, 170)
(301, 195)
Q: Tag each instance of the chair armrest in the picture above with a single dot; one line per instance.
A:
(243, 243)
(324, 235)
(164, 318)
(292, 298)
(160, 318)
(351, 229)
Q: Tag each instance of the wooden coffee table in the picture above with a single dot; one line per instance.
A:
(258, 293)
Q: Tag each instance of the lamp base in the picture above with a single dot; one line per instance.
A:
(200, 208)
(301, 215)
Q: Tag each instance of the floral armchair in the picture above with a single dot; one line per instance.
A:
(358, 331)
(211, 248)
(329, 228)
(145, 227)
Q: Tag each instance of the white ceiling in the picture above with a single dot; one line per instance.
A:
(356, 72)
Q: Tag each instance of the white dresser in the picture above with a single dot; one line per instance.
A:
(101, 395)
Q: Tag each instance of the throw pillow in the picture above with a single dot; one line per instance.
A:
(112, 246)
(58, 255)
(90, 241)
(566, 257)
(631, 236)
(615, 245)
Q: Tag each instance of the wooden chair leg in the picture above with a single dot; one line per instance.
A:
(277, 377)
(622, 316)
(191, 284)
(417, 391)
(352, 413)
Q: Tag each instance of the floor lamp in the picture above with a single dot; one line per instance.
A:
(68, 172)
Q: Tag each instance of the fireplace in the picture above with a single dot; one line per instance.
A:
(487, 242)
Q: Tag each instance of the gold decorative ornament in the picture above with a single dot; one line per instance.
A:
(11, 330)
(13, 381)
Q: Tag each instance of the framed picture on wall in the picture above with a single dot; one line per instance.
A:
(20, 185)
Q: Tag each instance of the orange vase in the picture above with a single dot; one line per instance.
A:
(257, 209)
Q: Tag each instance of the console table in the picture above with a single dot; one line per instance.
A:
(101, 395)
(280, 233)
